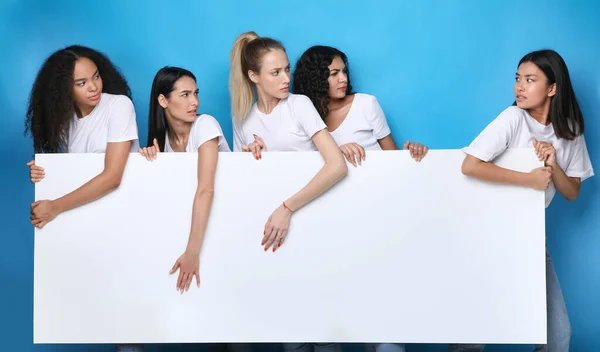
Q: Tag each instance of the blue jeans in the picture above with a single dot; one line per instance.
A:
(386, 347)
(559, 326)
(307, 347)
(129, 348)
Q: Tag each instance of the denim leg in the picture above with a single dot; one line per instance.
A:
(386, 347)
(297, 347)
(465, 348)
(240, 347)
(559, 326)
(129, 348)
(328, 347)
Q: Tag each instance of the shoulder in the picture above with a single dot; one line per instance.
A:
(206, 120)
(512, 114)
(117, 101)
(298, 100)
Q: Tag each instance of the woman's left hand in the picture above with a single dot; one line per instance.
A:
(189, 266)
(42, 212)
(276, 228)
(545, 152)
(417, 150)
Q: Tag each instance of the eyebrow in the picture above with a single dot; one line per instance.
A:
(84, 79)
(279, 68)
(529, 75)
(189, 91)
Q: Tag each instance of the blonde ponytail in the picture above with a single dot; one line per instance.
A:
(246, 55)
(240, 87)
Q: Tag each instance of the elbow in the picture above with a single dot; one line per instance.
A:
(205, 192)
(572, 197)
(467, 168)
(114, 182)
(341, 169)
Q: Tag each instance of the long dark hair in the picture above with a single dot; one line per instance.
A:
(565, 115)
(312, 73)
(51, 104)
(164, 83)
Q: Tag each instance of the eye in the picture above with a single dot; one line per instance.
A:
(275, 73)
(529, 80)
(184, 94)
(97, 77)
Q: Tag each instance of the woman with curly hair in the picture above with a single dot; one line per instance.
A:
(356, 121)
(80, 103)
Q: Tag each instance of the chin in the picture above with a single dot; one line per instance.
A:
(282, 95)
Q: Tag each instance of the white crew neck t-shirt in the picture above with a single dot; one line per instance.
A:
(112, 120)
(365, 124)
(204, 128)
(289, 127)
(516, 128)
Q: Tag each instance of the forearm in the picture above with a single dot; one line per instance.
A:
(568, 187)
(200, 215)
(329, 175)
(496, 174)
(96, 188)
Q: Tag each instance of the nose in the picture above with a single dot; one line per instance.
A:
(519, 85)
(343, 77)
(93, 86)
(286, 77)
(195, 101)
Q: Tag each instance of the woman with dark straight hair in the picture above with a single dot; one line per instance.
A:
(546, 117)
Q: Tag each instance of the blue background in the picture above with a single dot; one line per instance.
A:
(441, 70)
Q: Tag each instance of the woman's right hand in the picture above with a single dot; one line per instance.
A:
(36, 173)
(354, 153)
(255, 147)
(150, 152)
(541, 177)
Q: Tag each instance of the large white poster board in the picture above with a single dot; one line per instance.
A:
(399, 251)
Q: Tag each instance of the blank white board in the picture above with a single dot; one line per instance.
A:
(399, 251)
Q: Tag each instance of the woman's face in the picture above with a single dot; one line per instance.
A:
(87, 84)
(274, 76)
(338, 78)
(182, 103)
(531, 87)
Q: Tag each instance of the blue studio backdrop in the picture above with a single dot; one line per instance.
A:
(442, 70)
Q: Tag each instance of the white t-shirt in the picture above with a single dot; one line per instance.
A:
(289, 127)
(112, 120)
(364, 125)
(515, 128)
(203, 129)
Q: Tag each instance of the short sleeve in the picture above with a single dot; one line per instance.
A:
(122, 125)
(206, 127)
(307, 116)
(238, 138)
(580, 164)
(495, 138)
(377, 119)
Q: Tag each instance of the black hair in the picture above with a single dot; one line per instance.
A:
(311, 75)
(51, 104)
(164, 83)
(565, 115)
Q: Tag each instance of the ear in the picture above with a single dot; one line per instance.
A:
(162, 100)
(253, 76)
(552, 90)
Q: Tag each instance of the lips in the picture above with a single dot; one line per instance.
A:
(95, 97)
(520, 98)
(342, 88)
(193, 111)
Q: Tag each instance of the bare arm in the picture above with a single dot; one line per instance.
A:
(388, 143)
(109, 179)
(567, 186)
(333, 171)
(539, 178)
(208, 155)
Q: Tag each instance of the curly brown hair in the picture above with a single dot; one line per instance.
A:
(311, 75)
(51, 104)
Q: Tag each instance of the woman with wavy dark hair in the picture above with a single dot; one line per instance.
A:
(80, 103)
(356, 121)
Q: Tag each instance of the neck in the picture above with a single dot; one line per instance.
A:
(336, 103)
(266, 103)
(179, 131)
(541, 113)
(84, 110)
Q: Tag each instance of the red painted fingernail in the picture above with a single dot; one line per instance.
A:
(266, 249)
(274, 248)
